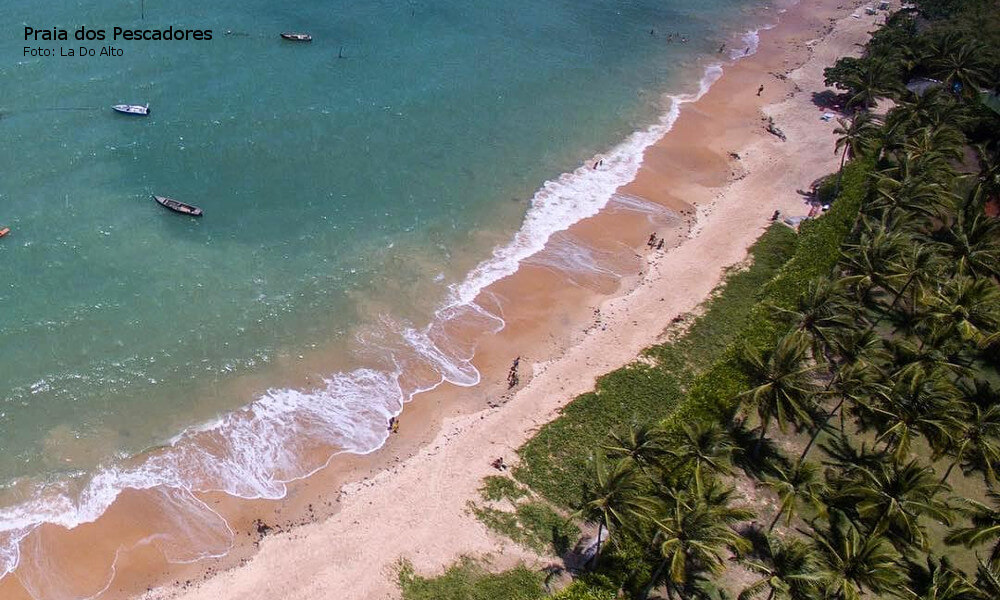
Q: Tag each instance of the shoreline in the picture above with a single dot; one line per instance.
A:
(413, 507)
(449, 422)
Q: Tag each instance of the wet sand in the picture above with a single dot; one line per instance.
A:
(341, 532)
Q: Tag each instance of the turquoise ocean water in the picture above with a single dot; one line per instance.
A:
(342, 195)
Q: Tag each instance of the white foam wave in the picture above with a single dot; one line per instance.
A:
(575, 196)
(751, 43)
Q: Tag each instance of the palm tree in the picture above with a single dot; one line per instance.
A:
(615, 499)
(855, 138)
(972, 245)
(852, 563)
(957, 61)
(821, 312)
(975, 443)
(642, 445)
(789, 571)
(985, 527)
(915, 187)
(970, 307)
(938, 580)
(873, 80)
(937, 141)
(702, 447)
(914, 403)
(893, 498)
(691, 535)
(800, 484)
(784, 387)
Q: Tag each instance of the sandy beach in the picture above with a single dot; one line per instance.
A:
(341, 533)
(718, 164)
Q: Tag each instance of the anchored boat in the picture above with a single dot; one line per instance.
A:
(297, 37)
(180, 207)
(132, 109)
(4, 231)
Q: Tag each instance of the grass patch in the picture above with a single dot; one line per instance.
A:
(556, 461)
(496, 488)
(469, 580)
(533, 524)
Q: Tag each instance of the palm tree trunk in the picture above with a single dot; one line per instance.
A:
(840, 172)
(760, 439)
(597, 551)
(815, 435)
(948, 472)
(774, 521)
(652, 582)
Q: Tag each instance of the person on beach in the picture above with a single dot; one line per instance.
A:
(747, 51)
(660, 245)
(760, 89)
(652, 239)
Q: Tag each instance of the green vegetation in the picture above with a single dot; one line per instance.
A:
(557, 461)
(496, 488)
(469, 580)
(869, 346)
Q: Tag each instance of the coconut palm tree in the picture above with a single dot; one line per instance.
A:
(691, 536)
(893, 498)
(801, 484)
(985, 526)
(936, 580)
(935, 141)
(855, 138)
(975, 441)
(872, 80)
(958, 61)
(783, 385)
(914, 403)
(820, 312)
(703, 448)
(788, 569)
(852, 564)
(972, 245)
(969, 307)
(642, 445)
(614, 500)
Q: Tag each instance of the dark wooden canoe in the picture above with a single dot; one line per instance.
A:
(297, 37)
(180, 207)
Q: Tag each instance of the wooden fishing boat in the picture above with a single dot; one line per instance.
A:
(180, 207)
(4, 231)
(132, 109)
(297, 37)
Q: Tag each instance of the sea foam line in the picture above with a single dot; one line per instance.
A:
(252, 452)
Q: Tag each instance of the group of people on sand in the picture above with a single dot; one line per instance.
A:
(654, 243)
(512, 378)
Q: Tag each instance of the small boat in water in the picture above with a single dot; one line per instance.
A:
(4, 231)
(132, 109)
(297, 37)
(180, 207)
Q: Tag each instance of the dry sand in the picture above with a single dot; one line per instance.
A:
(417, 509)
